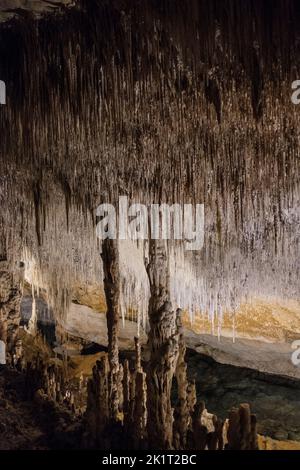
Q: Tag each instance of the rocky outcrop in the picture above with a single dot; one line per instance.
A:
(10, 300)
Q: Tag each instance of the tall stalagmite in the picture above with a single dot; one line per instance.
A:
(182, 412)
(175, 101)
(111, 268)
(98, 405)
(163, 344)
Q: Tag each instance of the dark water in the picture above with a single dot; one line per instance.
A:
(275, 400)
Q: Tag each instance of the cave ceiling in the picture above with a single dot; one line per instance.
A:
(161, 101)
(22, 8)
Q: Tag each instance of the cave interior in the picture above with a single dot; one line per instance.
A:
(147, 343)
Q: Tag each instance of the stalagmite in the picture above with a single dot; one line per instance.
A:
(138, 359)
(163, 344)
(242, 434)
(182, 412)
(191, 397)
(98, 406)
(140, 410)
(120, 389)
(198, 438)
(111, 268)
(126, 387)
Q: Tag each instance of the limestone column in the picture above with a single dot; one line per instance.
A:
(111, 268)
(163, 344)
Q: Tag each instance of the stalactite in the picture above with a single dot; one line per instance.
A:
(163, 344)
(161, 106)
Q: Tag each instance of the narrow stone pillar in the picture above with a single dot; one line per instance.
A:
(182, 414)
(138, 355)
(163, 345)
(242, 433)
(111, 268)
(191, 398)
(97, 411)
(254, 436)
(126, 386)
(200, 431)
(140, 410)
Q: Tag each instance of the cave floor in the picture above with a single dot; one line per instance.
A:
(25, 425)
(18, 426)
(273, 398)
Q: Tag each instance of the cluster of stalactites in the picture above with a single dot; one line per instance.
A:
(158, 106)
